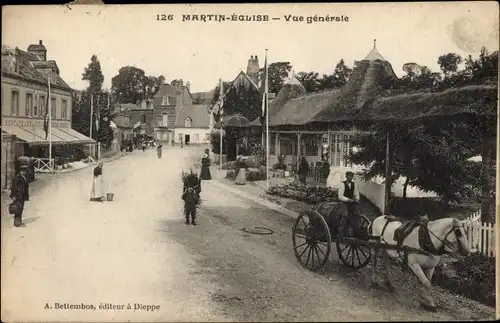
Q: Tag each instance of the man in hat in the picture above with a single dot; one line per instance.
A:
(349, 195)
(19, 193)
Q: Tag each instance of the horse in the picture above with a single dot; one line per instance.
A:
(422, 243)
(190, 198)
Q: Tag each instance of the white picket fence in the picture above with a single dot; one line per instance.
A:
(481, 236)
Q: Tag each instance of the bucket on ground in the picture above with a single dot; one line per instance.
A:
(109, 196)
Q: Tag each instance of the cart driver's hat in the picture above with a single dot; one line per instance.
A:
(349, 173)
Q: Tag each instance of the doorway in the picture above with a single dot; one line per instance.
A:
(186, 139)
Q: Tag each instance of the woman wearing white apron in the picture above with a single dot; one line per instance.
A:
(97, 193)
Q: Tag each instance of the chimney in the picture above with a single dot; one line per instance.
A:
(38, 50)
(188, 86)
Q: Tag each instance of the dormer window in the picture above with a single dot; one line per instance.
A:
(187, 122)
(165, 100)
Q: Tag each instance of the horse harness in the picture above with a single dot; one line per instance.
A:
(424, 237)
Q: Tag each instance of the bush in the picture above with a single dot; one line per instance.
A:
(215, 143)
(231, 174)
(229, 165)
(253, 175)
(310, 194)
(475, 278)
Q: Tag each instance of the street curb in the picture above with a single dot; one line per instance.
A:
(256, 199)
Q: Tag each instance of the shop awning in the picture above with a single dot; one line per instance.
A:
(35, 136)
(78, 137)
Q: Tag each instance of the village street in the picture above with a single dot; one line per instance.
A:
(137, 249)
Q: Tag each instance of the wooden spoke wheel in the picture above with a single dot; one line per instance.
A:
(351, 253)
(311, 240)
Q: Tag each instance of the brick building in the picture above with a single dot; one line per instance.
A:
(134, 120)
(167, 102)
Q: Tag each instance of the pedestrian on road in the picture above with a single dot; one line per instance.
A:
(19, 193)
(159, 150)
(205, 166)
(97, 193)
(241, 171)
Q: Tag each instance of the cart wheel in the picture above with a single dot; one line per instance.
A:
(353, 254)
(311, 240)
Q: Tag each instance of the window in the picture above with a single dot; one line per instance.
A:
(311, 146)
(28, 104)
(207, 136)
(53, 107)
(196, 138)
(165, 120)
(64, 109)
(187, 122)
(341, 149)
(143, 118)
(14, 103)
(165, 100)
(287, 147)
(41, 104)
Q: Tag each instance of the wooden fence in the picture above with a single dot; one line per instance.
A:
(481, 235)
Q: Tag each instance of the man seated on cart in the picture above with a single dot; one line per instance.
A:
(349, 195)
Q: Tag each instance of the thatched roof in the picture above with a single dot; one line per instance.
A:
(369, 79)
(233, 120)
(474, 99)
(301, 110)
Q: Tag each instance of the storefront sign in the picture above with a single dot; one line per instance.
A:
(33, 85)
(32, 123)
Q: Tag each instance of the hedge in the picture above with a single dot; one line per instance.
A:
(474, 279)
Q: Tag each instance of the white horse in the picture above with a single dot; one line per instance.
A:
(425, 243)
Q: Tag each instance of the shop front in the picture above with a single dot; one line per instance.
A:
(30, 141)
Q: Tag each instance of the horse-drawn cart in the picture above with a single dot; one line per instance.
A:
(418, 244)
(315, 230)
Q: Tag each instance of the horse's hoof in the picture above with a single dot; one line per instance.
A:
(193, 223)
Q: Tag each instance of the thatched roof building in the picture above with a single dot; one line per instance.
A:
(480, 100)
(293, 106)
(369, 79)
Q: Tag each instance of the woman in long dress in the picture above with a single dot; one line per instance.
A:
(97, 193)
(241, 171)
(205, 166)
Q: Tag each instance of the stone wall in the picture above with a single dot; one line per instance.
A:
(8, 157)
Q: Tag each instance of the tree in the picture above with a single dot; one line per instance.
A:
(449, 63)
(339, 78)
(310, 80)
(105, 132)
(431, 158)
(82, 105)
(93, 74)
(243, 99)
(418, 77)
(81, 113)
(177, 82)
(152, 84)
(130, 84)
(277, 73)
(216, 94)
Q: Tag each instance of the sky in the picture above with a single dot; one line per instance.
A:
(202, 52)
